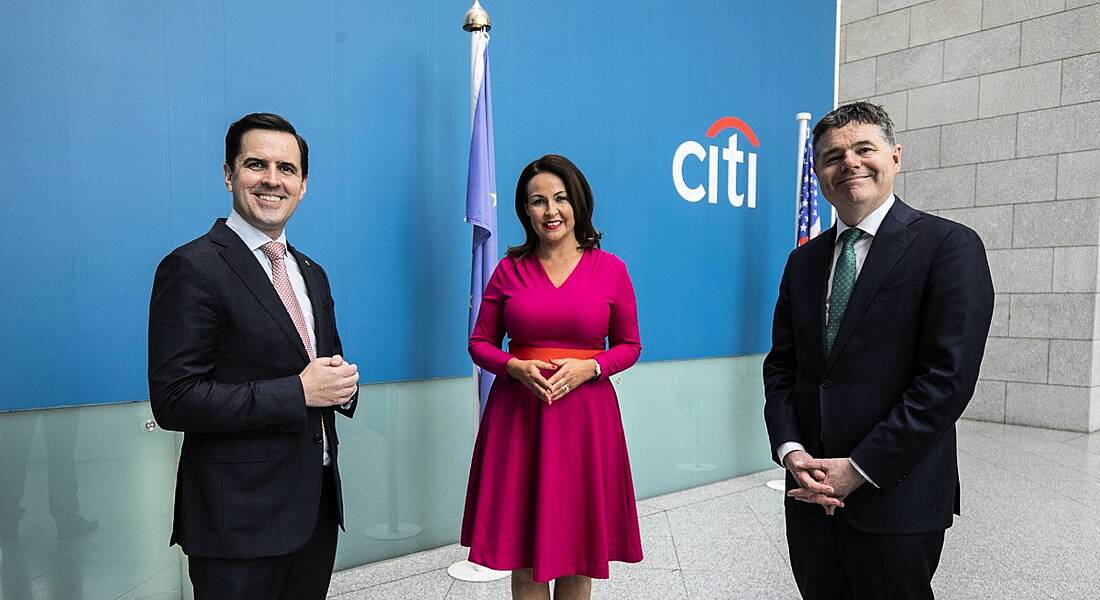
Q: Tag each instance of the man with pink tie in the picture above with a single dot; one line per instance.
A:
(245, 359)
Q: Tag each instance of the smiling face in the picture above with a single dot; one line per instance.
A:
(266, 179)
(549, 210)
(856, 167)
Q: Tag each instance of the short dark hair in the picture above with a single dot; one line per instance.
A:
(578, 193)
(859, 112)
(268, 121)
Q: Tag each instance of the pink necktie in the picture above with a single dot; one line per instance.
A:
(276, 252)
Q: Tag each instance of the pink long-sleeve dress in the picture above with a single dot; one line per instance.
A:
(550, 486)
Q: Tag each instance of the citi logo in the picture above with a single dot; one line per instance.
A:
(730, 154)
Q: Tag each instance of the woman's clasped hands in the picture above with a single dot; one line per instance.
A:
(569, 374)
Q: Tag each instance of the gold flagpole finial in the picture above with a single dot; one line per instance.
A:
(477, 19)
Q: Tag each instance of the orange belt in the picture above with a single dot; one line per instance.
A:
(547, 354)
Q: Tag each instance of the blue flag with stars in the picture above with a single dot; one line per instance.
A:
(481, 196)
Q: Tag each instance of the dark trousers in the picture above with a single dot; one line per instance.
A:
(832, 560)
(300, 575)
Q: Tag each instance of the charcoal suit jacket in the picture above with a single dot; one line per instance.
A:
(901, 371)
(224, 364)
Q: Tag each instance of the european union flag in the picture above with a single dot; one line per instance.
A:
(481, 194)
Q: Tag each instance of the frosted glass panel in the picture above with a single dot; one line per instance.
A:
(693, 422)
(404, 460)
(86, 504)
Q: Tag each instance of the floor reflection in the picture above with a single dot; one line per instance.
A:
(16, 433)
(85, 505)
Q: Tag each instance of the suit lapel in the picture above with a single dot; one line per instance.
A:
(892, 240)
(818, 280)
(241, 260)
(316, 298)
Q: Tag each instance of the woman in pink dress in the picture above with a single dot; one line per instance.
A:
(550, 495)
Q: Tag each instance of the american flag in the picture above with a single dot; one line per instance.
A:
(809, 219)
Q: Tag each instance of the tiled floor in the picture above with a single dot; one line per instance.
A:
(1030, 530)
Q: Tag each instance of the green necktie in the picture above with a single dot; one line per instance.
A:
(844, 279)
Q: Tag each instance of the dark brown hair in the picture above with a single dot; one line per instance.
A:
(577, 192)
(268, 121)
(860, 112)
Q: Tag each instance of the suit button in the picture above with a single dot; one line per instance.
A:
(317, 439)
(826, 383)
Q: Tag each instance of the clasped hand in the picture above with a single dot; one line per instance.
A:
(329, 381)
(824, 481)
(569, 373)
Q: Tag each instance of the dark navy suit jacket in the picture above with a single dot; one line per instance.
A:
(224, 360)
(902, 368)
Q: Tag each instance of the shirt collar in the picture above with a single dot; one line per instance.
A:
(252, 237)
(871, 222)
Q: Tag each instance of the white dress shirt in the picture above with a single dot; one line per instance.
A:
(255, 239)
(869, 225)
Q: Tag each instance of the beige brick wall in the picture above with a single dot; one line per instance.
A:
(997, 103)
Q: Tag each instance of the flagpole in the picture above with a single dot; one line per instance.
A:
(803, 119)
(477, 22)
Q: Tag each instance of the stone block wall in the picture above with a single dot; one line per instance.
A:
(997, 103)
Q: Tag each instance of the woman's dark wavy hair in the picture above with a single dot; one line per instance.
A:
(577, 191)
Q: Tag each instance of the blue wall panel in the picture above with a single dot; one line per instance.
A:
(114, 116)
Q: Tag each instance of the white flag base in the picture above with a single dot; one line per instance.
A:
(398, 531)
(465, 570)
(777, 484)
